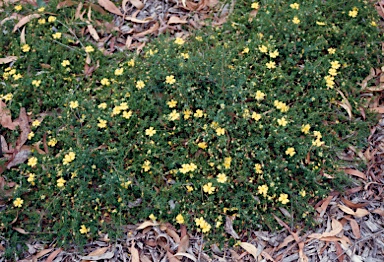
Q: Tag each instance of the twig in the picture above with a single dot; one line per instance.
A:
(201, 246)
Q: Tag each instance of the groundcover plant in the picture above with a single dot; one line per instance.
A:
(241, 120)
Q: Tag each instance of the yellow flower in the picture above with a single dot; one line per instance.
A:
(373, 23)
(32, 162)
(73, 104)
(31, 135)
(170, 79)
(271, 64)
(220, 131)
(263, 190)
(36, 83)
(296, 20)
(152, 217)
(56, 35)
(173, 116)
(283, 198)
(317, 142)
(202, 145)
(317, 134)
(259, 95)
(51, 19)
(199, 38)
(18, 202)
(256, 116)
(140, 84)
(263, 49)
(84, 229)
(227, 162)
(89, 49)
(146, 166)
(184, 55)
(172, 103)
(119, 71)
(131, 62)
(320, 23)
(294, 6)
(199, 113)
(41, 21)
(353, 13)
(282, 121)
(105, 82)
(65, 63)
(305, 128)
(68, 158)
(36, 123)
(208, 188)
(127, 115)
(189, 189)
(180, 219)
(245, 51)
(302, 193)
(199, 221)
(25, 48)
(150, 131)
(52, 142)
(331, 50)
(335, 64)
(102, 123)
(61, 182)
(290, 151)
(222, 178)
(187, 114)
(255, 5)
(7, 97)
(102, 106)
(41, 9)
(205, 227)
(258, 169)
(179, 41)
(274, 54)
(18, 7)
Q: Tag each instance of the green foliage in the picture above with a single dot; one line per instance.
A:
(121, 172)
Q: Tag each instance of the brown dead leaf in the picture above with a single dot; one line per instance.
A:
(146, 224)
(5, 117)
(353, 205)
(379, 211)
(92, 31)
(20, 230)
(229, 227)
(355, 227)
(97, 252)
(379, 109)
(285, 242)
(24, 20)
(171, 257)
(151, 30)
(355, 172)
(251, 249)
(374, 72)
(23, 123)
(110, 7)
(339, 252)
(43, 253)
(22, 37)
(78, 13)
(252, 15)
(20, 157)
(358, 213)
(135, 20)
(184, 244)
(137, 3)
(66, 3)
(380, 8)
(191, 257)
(134, 252)
(176, 20)
(53, 255)
(8, 59)
(324, 205)
(144, 258)
(337, 227)
(13, 16)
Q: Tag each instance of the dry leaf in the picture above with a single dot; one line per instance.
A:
(193, 258)
(78, 14)
(135, 20)
(184, 244)
(23, 123)
(20, 157)
(379, 109)
(176, 20)
(361, 212)
(229, 227)
(66, 3)
(151, 30)
(252, 15)
(97, 252)
(92, 31)
(42, 253)
(286, 241)
(374, 72)
(20, 230)
(171, 257)
(355, 227)
(355, 172)
(251, 249)
(22, 37)
(358, 213)
(379, 211)
(134, 252)
(5, 117)
(24, 20)
(353, 205)
(110, 7)
(107, 255)
(53, 255)
(146, 224)
(144, 258)
(339, 252)
(8, 59)
(13, 16)
(137, 3)
(173, 234)
(267, 256)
